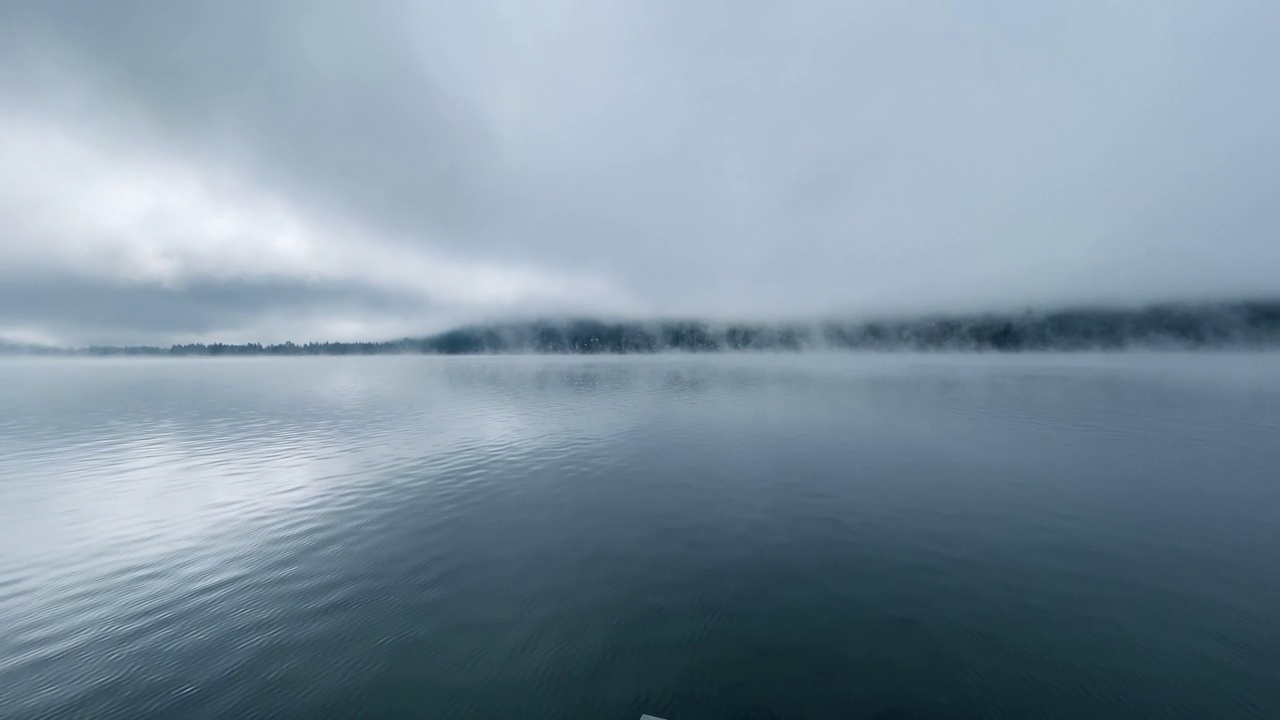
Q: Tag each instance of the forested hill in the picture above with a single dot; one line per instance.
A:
(1237, 325)
(1203, 326)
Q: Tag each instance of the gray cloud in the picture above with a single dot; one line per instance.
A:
(263, 167)
(98, 312)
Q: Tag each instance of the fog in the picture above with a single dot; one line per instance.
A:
(235, 171)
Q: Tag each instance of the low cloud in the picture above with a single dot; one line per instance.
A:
(300, 170)
(135, 246)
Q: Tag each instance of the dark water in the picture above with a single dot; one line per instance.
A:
(692, 537)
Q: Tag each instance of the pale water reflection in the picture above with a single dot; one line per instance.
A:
(694, 537)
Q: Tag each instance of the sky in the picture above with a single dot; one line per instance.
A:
(243, 170)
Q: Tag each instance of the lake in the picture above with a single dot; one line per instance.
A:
(693, 537)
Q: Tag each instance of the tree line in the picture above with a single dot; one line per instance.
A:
(1182, 326)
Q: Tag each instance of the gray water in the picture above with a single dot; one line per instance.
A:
(698, 537)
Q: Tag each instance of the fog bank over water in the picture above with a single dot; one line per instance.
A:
(1220, 326)
(234, 171)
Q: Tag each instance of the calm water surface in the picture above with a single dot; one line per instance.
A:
(697, 538)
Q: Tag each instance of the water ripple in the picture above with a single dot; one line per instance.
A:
(742, 536)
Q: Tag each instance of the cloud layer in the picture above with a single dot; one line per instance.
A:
(299, 170)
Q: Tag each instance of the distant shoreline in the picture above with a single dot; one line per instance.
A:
(1206, 326)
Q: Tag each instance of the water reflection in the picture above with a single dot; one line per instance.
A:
(687, 536)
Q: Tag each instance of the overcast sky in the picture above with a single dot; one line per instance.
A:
(239, 169)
